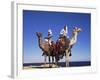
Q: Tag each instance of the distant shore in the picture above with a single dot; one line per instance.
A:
(61, 64)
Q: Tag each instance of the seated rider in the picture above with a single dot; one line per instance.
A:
(49, 37)
(64, 32)
(64, 35)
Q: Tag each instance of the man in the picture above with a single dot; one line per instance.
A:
(64, 31)
(64, 35)
(49, 36)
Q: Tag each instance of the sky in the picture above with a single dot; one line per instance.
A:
(41, 21)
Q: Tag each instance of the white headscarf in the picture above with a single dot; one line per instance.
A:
(66, 29)
(63, 32)
(50, 31)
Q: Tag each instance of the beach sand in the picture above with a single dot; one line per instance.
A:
(42, 66)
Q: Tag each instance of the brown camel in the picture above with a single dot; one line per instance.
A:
(60, 49)
(46, 48)
(68, 44)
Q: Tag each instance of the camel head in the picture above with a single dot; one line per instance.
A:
(39, 34)
(76, 29)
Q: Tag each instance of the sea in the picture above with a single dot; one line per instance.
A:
(61, 64)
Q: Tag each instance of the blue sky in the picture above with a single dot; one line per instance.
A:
(41, 21)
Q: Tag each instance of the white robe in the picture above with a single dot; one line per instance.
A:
(64, 32)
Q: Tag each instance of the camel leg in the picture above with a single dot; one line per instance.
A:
(49, 59)
(52, 60)
(67, 62)
(67, 58)
(45, 59)
(49, 62)
(56, 60)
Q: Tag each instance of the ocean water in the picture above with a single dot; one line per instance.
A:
(61, 64)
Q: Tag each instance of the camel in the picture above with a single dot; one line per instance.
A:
(62, 48)
(47, 50)
(72, 42)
